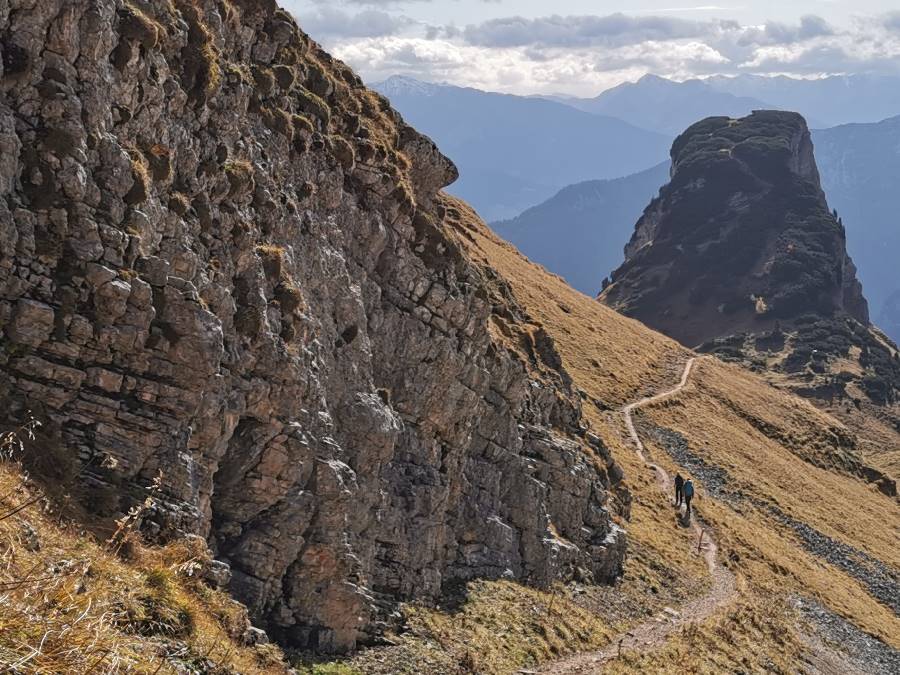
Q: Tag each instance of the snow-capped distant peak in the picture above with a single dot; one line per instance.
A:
(403, 85)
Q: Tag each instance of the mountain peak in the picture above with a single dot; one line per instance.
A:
(742, 236)
(765, 135)
(652, 79)
(741, 253)
(405, 85)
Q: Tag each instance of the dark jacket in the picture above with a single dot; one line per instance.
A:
(679, 481)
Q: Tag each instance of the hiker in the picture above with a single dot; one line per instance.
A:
(679, 489)
(688, 491)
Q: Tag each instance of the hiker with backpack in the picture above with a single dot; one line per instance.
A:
(679, 489)
(688, 491)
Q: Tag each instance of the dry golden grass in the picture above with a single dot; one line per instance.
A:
(711, 414)
(499, 627)
(727, 644)
(503, 623)
(69, 604)
(140, 171)
(737, 421)
(617, 360)
(873, 426)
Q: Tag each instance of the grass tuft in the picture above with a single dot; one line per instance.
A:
(69, 604)
(201, 72)
(136, 25)
(313, 104)
(240, 177)
(140, 188)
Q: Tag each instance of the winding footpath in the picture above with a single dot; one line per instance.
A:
(653, 633)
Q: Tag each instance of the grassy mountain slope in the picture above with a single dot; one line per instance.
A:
(77, 601)
(765, 440)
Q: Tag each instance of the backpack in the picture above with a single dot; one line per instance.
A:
(688, 489)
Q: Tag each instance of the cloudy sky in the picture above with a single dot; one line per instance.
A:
(585, 46)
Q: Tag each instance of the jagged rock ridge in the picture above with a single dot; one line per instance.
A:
(222, 259)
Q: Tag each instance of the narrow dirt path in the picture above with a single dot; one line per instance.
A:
(652, 633)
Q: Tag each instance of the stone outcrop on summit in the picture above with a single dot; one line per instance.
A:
(222, 260)
(741, 237)
(740, 255)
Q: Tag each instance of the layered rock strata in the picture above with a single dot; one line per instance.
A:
(222, 261)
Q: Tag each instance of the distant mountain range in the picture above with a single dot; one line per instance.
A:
(825, 102)
(622, 131)
(666, 106)
(514, 151)
(860, 168)
(569, 196)
(579, 233)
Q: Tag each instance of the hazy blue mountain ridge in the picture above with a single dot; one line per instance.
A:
(663, 105)
(579, 233)
(860, 169)
(825, 102)
(513, 151)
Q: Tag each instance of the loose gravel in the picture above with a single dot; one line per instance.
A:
(866, 652)
(880, 579)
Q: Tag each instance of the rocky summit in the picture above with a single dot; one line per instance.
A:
(740, 255)
(223, 265)
(740, 238)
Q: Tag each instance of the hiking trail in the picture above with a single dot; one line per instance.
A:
(652, 633)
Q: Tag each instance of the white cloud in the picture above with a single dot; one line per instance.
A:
(519, 70)
(328, 23)
(583, 55)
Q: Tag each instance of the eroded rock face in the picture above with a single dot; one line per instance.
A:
(740, 239)
(740, 255)
(223, 261)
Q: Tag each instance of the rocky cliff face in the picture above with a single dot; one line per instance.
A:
(222, 260)
(741, 236)
(740, 254)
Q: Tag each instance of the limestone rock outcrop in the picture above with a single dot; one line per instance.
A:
(222, 261)
(740, 239)
(741, 256)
